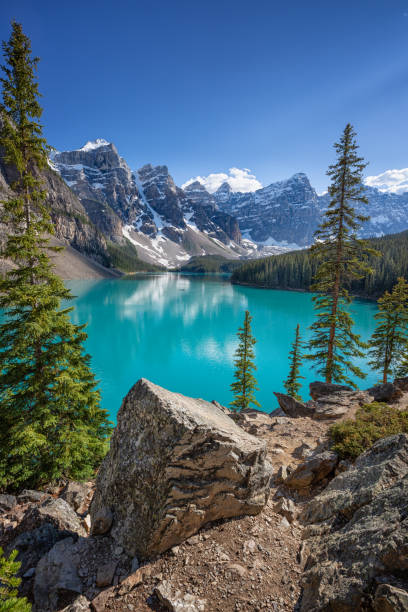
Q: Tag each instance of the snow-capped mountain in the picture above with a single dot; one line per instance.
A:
(287, 213)
(283, 214)
(166, 224)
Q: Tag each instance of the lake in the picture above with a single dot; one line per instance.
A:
(179, 331)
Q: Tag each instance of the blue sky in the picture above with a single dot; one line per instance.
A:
(204, 86)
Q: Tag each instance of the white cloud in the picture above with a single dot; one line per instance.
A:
(239, 179)
(391, 181)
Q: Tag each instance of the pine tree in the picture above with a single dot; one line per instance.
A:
(389, 342)
(292, 384)
(9, 583)
(341, 258)
(51, 424)
(245, 383)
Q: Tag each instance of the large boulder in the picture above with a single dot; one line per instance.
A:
(40, 527)
(385, 392)
(176, 463)
(292, 407)
(313, 470)
(330, 401)
(56, 578)
(319, 389)
(74, 567)
(55, 512)
(357, 534)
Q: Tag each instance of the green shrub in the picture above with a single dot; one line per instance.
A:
(373, 422)
(9, 602)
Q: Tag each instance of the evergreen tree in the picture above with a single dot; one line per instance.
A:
(245, 383)
(341, 257)
(51, 424)
(292, 384)
(9, 583)
(389, 342)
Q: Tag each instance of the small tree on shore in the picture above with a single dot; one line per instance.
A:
(9, 583)
(292, 384)
(389, 342)
(245, 383)
(341, 257)
(51, 424)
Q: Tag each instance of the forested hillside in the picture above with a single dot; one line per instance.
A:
(210, 264)
(295, 270)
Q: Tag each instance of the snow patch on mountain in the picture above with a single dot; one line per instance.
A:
(94, 144)
(390, 181)
(239, 179)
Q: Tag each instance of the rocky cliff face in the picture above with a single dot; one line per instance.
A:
(388, 212)
(166, 224)
(284, 213)
(71, 221)
(287, 213)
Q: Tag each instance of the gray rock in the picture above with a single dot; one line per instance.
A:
(373, 471)
(105, 573)
(176, 601)
(56, 577)
(320, 389)
(76, 494)
(135, 564)
(175, 464)
(386, 392)
(286, 508)
(81, 604)
(389, 598)
(223, 408)
(358, 533)
(402, 383)
(7, 502)
(27, 495)
(313, 470)
(55, 512)
(334, 401)
(32, 545)
(101, 521)
(292, 407)
(281, 474)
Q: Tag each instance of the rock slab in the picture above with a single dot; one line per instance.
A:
(357, 535)
(292, 407)
(175, 464)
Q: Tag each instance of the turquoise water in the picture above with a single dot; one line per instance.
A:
(180, 332)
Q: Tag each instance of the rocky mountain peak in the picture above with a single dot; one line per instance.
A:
(223, 193)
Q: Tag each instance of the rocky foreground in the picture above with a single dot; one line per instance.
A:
(198, 509)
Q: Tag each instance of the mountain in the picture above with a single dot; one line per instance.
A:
(72, 224)
(287, 213)
(133, 219)
(284, 214)
(166, 224)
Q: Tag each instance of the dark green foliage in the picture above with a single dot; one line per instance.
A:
(373, 422)
(9, 583)
(206, 264)
(341, 257)
(292, 384)
(245, 383)
(295, 270)
(51, 424)
(125, 258)
(389, 342)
